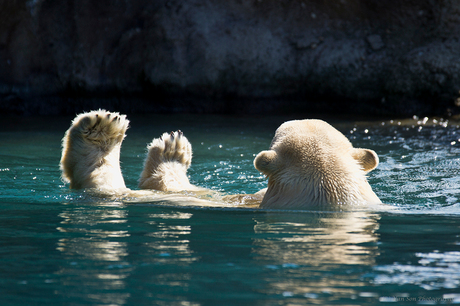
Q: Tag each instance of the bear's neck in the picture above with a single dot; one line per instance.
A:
(306, 194)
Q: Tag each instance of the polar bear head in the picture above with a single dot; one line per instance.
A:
(311, 164)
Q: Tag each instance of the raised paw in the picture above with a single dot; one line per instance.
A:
(167, 162)
(176, 147)
(91, 150)
(101, 128)
(170, 147)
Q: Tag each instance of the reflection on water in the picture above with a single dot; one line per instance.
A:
(333, 238)
(171, 240)
(94, 236)
(293, 253)
(317, 245)
(93, 243)
(100, 243)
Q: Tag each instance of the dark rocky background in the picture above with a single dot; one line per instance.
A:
(392, 57)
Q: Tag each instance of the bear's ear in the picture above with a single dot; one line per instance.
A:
(265, 162)
(368, 159)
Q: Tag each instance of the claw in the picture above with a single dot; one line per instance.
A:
(98, 120)
(114, 118)
(172, 134)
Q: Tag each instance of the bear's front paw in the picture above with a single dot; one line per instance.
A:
(173, 147)
(91, 150)
(101, 128)
(167, 162)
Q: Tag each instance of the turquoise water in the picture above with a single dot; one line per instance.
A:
(62, 247)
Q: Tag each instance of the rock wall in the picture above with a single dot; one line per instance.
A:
(398, 57)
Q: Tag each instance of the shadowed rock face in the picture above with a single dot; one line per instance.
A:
(397, 57)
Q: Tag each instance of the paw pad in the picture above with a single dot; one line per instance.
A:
(102, 128)
(172, 147)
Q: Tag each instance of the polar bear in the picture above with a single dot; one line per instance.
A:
(91, 157)
(311, 164)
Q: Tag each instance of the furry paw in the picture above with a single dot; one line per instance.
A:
(173, 147)
(167, 162)
(91, 150)
(101, 128)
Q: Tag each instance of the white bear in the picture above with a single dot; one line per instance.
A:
(311, 164)
(91, 157)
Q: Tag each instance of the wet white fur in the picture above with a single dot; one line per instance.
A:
(91, 156)
(91, 151)
(165, 167)
(311, 164)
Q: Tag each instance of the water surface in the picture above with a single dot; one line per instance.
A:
(62, 247)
